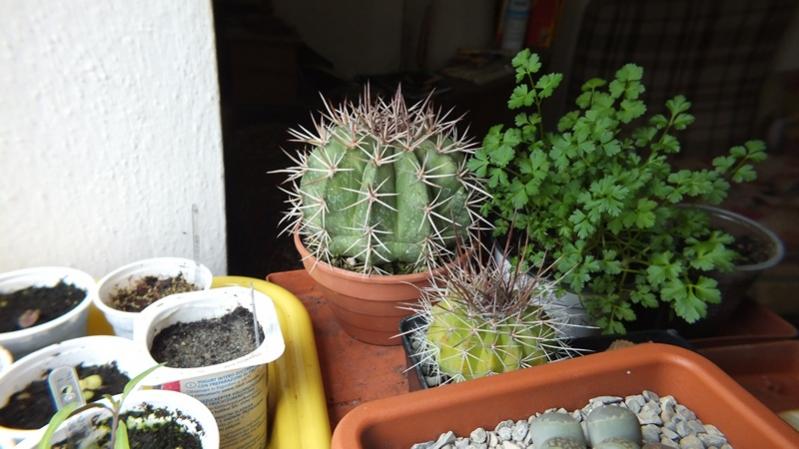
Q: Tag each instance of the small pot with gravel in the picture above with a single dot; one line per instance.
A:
(126, 291)
(646, 396)
(215, 346)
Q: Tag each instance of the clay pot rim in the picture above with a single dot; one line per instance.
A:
(375, 278)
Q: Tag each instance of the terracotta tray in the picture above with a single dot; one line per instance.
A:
(751, 323)
(400, 421)
(770, 371)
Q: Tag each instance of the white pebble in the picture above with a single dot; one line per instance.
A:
(478, 435)
(691, 442)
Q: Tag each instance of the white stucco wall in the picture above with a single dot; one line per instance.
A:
(109, 132)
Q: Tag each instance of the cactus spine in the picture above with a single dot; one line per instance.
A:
(482, 319)
(383, 187)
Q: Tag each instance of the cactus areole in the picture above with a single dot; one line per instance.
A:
(382, 187)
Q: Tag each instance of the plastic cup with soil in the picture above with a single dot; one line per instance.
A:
(126, 291)
(155, 420)
(32, 407)
(41, 306)
(215, 346)
(103, 362)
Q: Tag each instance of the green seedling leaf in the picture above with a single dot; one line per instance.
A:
(121, 440)
(55, 423)
(133, 383)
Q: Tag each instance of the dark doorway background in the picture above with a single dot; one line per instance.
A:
(274, 59)
(270, 81)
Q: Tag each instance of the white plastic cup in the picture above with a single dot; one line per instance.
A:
(69, 325)
(235, 391)
(94, 350)
(187, 410)
(126, 276)
(6, 359)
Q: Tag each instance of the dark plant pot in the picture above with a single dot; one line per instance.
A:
(597, 343)
(733, 285)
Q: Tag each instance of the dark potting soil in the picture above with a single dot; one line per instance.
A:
(206, 342)
(168, 434)
(148, 290)
(751, 250)
(32, 407)
(30, 306)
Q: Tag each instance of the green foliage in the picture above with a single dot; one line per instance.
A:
(599, 196)
(119, 431)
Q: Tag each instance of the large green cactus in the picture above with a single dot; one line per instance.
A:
(481, 319)
(383, 187)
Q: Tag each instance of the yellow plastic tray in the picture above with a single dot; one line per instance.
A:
(297, 406)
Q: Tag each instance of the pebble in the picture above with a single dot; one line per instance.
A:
(650, 413)
(478, 435)
(606, 400)
(669, 434)
(519, 431)
(712, 440)
(650, 433)
(505, 433)
(443, 440)
(635, 402)
(478, 446)
(684, 412)
(462, 443)
(668, 442)
(691, 442)
(713, 430)
(695, 426)
(511, 445)
(424, 445)
(492, 439)
(651, 396)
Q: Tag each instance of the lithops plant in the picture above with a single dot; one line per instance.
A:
(482, 319)
(382, 187)
(561, 443)
(613, 423)
(617, 443)
(554, 424)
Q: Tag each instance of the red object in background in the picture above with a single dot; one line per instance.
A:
(542, 22)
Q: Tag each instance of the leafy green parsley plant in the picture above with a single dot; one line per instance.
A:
(598, 195)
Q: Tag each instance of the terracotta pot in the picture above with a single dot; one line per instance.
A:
(400, 421)
(368, 307)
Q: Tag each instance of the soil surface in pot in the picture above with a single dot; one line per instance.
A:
(206, 342)
(751, 250)
(32, 407)
(166, 434)
(148, 290)
(30, 306)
